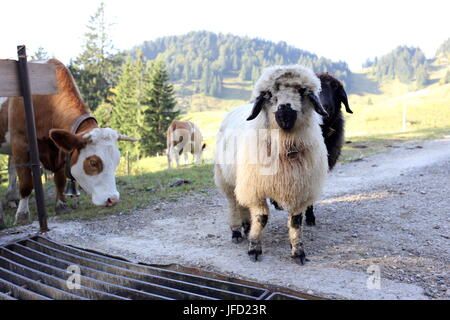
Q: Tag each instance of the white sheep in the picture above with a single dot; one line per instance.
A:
(273, 149)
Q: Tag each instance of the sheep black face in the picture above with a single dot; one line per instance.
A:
(332, 96)
(287, 102)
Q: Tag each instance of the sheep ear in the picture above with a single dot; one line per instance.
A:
(317, 105)
(257, 107)
(344, 100)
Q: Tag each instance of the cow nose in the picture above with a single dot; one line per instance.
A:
(111, 202)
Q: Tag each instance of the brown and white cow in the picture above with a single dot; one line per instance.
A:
(93, 150)
(184, 137)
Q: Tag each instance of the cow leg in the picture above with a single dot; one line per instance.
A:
(169, 160)
(198, 157)
(25, 188)
(173, 154)
(296, 237)
(177, 158)
(61, 206)
(186, 157)
(12, 194)
(259, 216)
(21, 157)
(310, 218)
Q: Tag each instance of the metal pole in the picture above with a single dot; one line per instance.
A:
(32, 140)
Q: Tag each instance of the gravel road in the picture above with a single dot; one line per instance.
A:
(389, 213)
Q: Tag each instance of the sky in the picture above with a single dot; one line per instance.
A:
(340, 30)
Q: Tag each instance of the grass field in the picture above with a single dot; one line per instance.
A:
(136, 191)
(376, 124)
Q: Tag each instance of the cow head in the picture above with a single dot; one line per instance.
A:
(95, 157)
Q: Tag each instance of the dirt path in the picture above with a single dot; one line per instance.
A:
(390, 211)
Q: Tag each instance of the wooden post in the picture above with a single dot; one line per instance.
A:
(31, 134)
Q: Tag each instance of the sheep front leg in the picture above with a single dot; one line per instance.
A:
(258, 220)
(296, 237)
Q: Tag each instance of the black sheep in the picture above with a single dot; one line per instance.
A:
(331, 97)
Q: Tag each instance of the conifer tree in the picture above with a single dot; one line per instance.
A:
(159, 103)
(421, 77)
(95, 69)
(40, 54)
(126, 114)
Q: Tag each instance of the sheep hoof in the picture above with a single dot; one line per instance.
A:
(255, 255)
(310, 222)
(300, 257)
(236, 237)
(255, 251)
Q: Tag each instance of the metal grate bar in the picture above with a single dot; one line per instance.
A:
(282, 296)
(52, 281)
(139, 281)
(20, 292)
(37, 269)
(37, 286)
(5, 296)
(113, 291)
(157, 290)
(237, 291)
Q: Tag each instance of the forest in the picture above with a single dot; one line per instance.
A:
(210, 57)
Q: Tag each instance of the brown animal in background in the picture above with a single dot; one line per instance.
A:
(184, 137)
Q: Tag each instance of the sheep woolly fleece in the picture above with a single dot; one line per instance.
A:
(298, 74)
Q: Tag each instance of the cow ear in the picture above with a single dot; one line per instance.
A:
(317, 105)
(257, 107)
(344, 100)
(66, 140)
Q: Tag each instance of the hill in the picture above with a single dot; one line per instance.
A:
(379, 108)
(217, 71)
(224, 65)
(406, 64)
(444, 50)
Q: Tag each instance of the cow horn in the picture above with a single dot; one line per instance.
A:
(123, 137)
